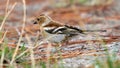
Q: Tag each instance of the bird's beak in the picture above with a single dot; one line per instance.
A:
(35, 22)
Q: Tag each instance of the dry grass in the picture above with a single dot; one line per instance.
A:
(12, 55)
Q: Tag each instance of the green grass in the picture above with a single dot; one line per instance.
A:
(110, 62)
(42, 64)
(1, 18)
(6, 54)
(82, 1)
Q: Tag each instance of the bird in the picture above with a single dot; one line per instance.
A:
(54, 31)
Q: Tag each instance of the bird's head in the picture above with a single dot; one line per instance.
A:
(42, 20)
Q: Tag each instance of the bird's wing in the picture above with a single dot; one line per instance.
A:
(74, 29)
(53, 24)
(67, 30)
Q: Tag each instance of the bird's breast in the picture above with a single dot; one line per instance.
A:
(55, 38)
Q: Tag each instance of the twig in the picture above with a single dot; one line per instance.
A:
(3, 51)
(22, 31)
(7, 14)
(31, 52)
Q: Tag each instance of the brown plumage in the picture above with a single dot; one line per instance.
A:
(55, 32)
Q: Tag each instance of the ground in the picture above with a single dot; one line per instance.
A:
(81, 51)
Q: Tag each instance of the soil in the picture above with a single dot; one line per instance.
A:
(79, 52)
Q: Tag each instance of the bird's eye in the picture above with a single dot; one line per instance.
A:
(35, 22)
(38, 19)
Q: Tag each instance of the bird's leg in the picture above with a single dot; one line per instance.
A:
(59, 50)
(66, 41)
(60, 44)
(48, 51)
(57, 45)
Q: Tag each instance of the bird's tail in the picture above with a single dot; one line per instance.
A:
(94, 30)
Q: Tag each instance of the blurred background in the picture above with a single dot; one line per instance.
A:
(101, 14)
(84, 14)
